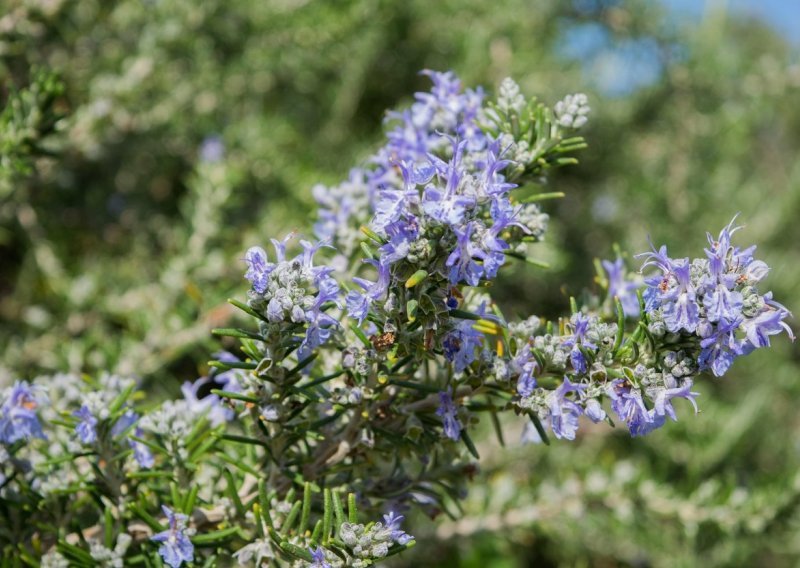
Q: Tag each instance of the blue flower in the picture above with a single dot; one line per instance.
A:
(627, 402)
(463, 267)
(580, 327)
(721, 347)
(141, 453)
(392, 522)
(449, 413)
(525, 364)
(444, 207)
(359, 303)
(18, 420)
(493, 182)
(768, 322)
(258, 268)
(564, 412)
(621, 287)
(663, 399)
(460, 345)
(212, 149)
(680, 307)
(87, 427)
(401, 234)
(594, 411)
(391, 205)
(318, 558)
(176, 548)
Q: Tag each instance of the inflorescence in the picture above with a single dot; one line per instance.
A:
(375, 350)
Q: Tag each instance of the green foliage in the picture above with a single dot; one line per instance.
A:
(120, 251)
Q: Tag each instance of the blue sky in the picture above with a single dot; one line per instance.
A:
(783, 15)
(622, 67)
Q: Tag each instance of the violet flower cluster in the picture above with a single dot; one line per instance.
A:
(715, 299)
(370, 355)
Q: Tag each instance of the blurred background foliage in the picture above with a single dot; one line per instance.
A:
(123, 219)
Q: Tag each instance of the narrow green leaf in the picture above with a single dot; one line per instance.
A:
(461, 314)
(362, 337)
(296, 551)
(241, 439)
(191, 499)
(233, 492)
(291, 518)
(373, 235)
(214, 537)
(531, 261)
(620, 325)
(352, 511)
(303, 363)
(498, 430)
(327, 516)
(470, 444)
(235, 396)
(108, 525)
(246, 309)
(543, 196)
(338, 510)
(317, 532)
(121, 399)
(263, 501)
(146, 517)
(415, 386)
(367, 250)
(247, 365)
(539, 428)
(240, 333)
(306, 509)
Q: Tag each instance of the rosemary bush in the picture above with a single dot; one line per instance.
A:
(374, 349)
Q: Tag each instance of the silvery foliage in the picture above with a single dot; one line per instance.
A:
(373, 350)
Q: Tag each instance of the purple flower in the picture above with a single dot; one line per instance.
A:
(358, 303)
(141, 453)
(259, 268)
(621, 287)
(564, 412)
(680, 308)
(446, 208)
(392, 522)
(721, 347)
(318, 558)
(176, 548)
(401, 234)
(627, 402)
(208, 404)
(449, 413)
(18, 418)
(124, 422)
(525, 365)
(492, 181)
(460, 345)
(594, 411)
(769, 322)
(393, 204)
(461, 263)
(87, 427)
(658, 258)
(212, 149)
(663, 399)
(317, 333)
(580, 327)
